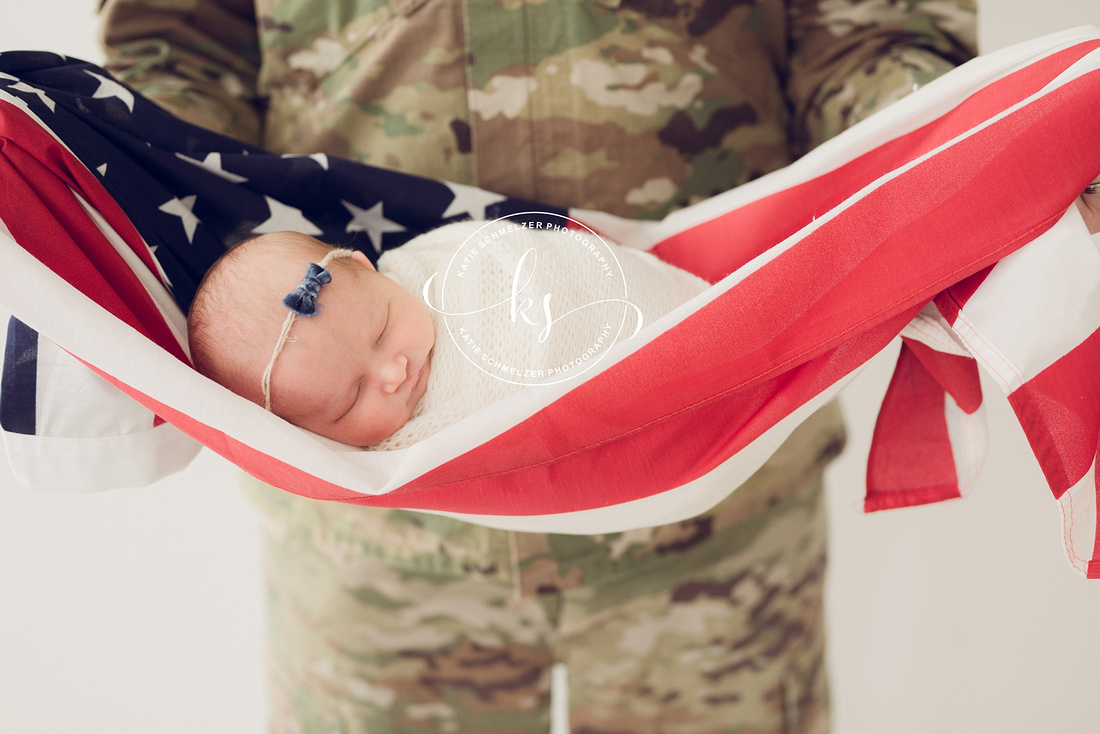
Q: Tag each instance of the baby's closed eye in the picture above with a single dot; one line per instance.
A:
(385, 327)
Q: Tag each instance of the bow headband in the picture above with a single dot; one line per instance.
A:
(301, 302)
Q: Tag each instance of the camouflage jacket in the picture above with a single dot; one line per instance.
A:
(634, 107)
(630, 106)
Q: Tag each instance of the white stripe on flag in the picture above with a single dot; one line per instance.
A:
(969, 438)
(931, 329)
(1036, 305)
(153, 283)
(1078, 513)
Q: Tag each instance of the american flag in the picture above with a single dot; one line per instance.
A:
(946, 219)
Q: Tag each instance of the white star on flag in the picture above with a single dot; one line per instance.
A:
(469, 200)
(370, 221)
(182, 208)
(24, 87)
(213, 163)
(285, 217)
(321, 158)
(110, 88)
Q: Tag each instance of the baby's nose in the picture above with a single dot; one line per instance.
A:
(393, 373)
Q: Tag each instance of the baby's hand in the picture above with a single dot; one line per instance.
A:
(1088, 203)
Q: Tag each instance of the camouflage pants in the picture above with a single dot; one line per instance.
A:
(715, 628)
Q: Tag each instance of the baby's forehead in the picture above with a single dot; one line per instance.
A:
(278, 265)
(284, 249)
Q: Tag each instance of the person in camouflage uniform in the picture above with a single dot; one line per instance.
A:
(396, 621)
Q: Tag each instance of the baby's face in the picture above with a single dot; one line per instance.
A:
(356, 371)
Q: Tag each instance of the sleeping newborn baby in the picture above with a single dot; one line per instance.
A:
(355, 353)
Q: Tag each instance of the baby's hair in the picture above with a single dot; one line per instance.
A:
(217, 296)
(220, 328)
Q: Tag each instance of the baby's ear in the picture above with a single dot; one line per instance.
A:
(362, 259)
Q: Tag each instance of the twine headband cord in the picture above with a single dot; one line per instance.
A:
(302, 301)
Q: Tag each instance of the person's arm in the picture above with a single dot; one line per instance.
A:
(199, 59)
(849, 58)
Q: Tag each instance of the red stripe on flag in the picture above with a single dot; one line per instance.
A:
(550, 478)
(1059, 410)
(952, 300)
(956, 374)
(911, 460)
(48, 222)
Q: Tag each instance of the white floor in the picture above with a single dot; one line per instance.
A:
(139, 611)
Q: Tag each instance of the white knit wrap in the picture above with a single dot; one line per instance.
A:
(456, 388)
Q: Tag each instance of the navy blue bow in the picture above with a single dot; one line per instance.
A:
(303, 301)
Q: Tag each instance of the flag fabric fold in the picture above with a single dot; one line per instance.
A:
(946, 219)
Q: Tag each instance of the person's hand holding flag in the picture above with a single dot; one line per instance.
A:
(1089, 206)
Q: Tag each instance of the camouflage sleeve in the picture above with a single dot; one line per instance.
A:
(852, 57)
(199, 59)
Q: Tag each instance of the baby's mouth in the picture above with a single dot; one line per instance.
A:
(417, 379)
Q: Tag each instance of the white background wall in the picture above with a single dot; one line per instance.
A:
(140, 611)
